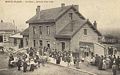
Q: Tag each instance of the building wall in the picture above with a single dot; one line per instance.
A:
(54, 28)
(25, 40)
(59, 44)
(6, 35)
(79, 36)
(18, 42)
(65, 19)
(44, 37)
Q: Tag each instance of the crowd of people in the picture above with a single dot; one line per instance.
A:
(35, 58)
(106, 62)
(27, 61)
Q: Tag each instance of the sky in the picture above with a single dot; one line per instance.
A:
(105, 12)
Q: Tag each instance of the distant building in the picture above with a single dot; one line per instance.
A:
(16, 40)
(62, 28)
(25, 34)
(112, 44)
(6, 29)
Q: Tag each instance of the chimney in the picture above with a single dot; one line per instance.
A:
(62, 5)
(95, 24)
(38, 12)
(1, 21)
(76, 7)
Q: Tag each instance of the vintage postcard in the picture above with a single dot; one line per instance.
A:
(59, 37)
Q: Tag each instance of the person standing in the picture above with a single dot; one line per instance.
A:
(75, 60)
(100, 63)
(32, 65)
(114, 69)
(77, 63)
(117, 61)
(104, 66)
(58, 60)
(68, 60)
(19, 64)
(11, 58)
(96, 60)
(24, 66)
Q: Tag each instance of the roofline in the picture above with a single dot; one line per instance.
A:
(78, 29)
(94, 28)
(72, 7)
(54, 20)
(99, 34)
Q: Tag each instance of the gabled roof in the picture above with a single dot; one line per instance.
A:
(25, 32)
(66, 31)
(95, 29)
(77, 25)
(7, 26)
(51, 15)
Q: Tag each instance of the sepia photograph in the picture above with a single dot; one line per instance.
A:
(59, 37)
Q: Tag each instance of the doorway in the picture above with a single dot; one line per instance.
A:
(63, 46)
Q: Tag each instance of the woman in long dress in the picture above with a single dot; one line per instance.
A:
(104, 66)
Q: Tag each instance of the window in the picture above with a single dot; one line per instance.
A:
(34, 43)
(34, 31)
(71, 15)
(26, 42)
(63, 45)
(40, 29)
(15, 41)
(48, 30)
(85, 31)
(40, 42)
(1, 38)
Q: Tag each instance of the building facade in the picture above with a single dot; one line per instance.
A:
(63, 28)
(16, 40)
(111, 43)
(6, 30)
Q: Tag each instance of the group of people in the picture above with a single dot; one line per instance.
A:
(28, 61)
(106, 62)
(34, 58)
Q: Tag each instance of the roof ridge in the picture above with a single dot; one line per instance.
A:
(51, 13)
(56, 7)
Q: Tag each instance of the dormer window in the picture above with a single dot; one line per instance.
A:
(85, 31)
(71, 15)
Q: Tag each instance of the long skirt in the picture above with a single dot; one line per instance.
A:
(104, 66)
(32, 67)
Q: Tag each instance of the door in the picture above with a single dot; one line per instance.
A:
(21, 43)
